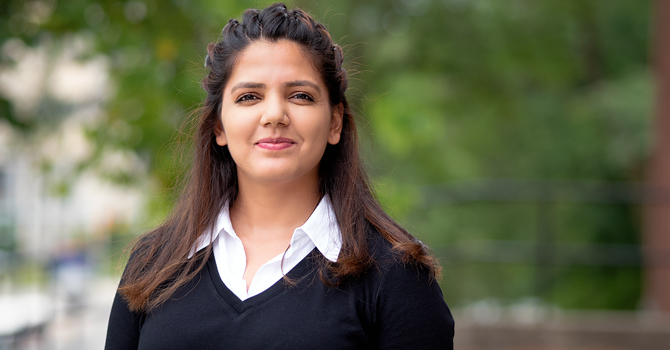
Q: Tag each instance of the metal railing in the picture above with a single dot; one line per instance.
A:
(546, 251)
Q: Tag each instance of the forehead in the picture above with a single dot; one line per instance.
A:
(280, 61)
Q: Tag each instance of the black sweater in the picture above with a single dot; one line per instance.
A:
(391, 306)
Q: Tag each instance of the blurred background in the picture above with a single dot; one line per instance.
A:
(526, 142)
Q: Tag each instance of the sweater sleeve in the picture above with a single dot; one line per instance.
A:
(123, 329)
(410, 310)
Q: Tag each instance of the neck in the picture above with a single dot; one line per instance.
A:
(273, 208)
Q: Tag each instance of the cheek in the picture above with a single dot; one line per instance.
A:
(316, 124)
(320, 131)
(238, 133)
(237, 125)
(324, 128)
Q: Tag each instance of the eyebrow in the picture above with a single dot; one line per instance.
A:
(303, 83)
(250, 85)
(247, 85)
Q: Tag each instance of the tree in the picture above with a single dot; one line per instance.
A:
(447, 92)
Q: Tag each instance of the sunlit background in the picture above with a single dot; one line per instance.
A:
(521, 140)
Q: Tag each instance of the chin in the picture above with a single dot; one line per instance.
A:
(284, 178)
(279, 176)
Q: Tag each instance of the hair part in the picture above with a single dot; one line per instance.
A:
(160, 263)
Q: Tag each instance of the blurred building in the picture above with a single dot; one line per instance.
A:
(58, 204)
(46, 196)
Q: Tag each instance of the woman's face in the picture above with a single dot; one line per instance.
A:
(276, 115)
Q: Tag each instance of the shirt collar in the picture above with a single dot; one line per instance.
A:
(321, 227)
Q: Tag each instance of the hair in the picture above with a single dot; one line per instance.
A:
(160, 263)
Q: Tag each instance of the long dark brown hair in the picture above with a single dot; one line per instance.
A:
(160, 263)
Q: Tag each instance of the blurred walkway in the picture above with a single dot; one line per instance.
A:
(83, 327)
(54, 320)
(537, 329)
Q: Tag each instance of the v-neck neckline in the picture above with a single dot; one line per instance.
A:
(242, 305)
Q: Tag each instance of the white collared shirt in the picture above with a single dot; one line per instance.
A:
(320, 231)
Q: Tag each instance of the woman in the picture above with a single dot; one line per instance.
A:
(277, 241)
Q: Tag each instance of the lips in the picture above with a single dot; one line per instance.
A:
(275, 144)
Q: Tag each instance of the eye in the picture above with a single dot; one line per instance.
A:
(246, 97)
(303, 96)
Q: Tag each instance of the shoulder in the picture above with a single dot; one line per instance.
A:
(143, 254)
(397, 274)
(409, 307)
(394, 258)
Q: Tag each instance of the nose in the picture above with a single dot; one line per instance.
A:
(275, 112)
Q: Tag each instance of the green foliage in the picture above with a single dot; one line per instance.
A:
(447, 91)
(557, 90)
